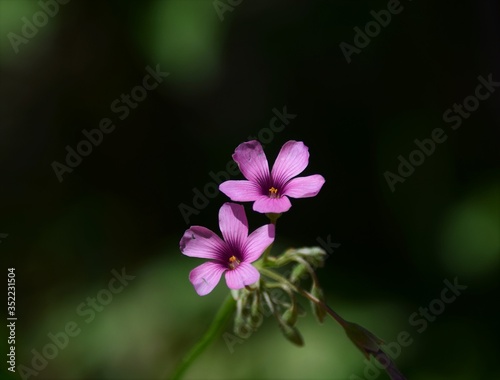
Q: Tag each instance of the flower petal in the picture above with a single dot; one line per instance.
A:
(292, 159)
(233, 224)
(274, 205)
(241, 191)
(244, 274)
(304, 187)
(257, 242)
(252, 161)
(205, 277)
(200, 242)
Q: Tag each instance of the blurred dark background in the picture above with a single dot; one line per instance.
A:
(230, 64)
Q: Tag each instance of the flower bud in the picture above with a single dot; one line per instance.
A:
(291, 333)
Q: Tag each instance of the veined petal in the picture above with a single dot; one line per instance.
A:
(304, 187)
(257, 242)
(233, 224)
(292, 159)
(200, 242)
(274, 205)
(241, 190)
(244, 274)
(252, 161)
(206, 276)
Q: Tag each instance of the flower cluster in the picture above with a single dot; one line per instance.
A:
(262, 284)
(270, 192)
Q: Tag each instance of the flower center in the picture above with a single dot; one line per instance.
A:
(233, 262)
(273, 192)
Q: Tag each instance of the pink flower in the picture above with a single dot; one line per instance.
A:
(270, 190)
(233, 255)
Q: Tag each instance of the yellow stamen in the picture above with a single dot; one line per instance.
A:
(233, 262)
(273, 192)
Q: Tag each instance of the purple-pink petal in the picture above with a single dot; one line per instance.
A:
(292, 159)
(244, 274)
(257, 242)
(264, 205)
(241, 190)
(201, 242)
(252, 161)
(206, 276)
(233, 223)
(304, 187)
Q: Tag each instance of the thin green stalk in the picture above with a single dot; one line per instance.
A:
(273, 218)
(265, 256)
(222, 316)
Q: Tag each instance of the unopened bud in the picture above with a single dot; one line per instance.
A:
(291, 333)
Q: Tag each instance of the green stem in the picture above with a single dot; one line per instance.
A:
(213, 331)
(273, 218)
(265, 255)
